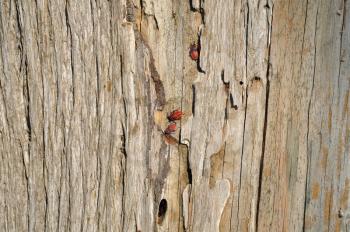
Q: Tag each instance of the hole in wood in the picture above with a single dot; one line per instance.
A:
(163, 206)
(257, 78)
(241, 82)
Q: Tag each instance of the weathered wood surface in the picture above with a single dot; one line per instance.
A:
(85, 87)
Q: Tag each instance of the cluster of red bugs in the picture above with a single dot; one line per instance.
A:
(172, 117)
(177, 114)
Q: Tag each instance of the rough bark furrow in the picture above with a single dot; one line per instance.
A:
(86, 87)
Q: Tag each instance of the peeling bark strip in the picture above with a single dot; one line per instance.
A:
(264, 144)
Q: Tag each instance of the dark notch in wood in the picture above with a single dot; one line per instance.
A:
(201, 9)
(232, 103)
(229, 95)
(227, 91)
(187, 157)
(256, 78)
(227, 84)
(123, 139)
(163, 206)
(199, 45)
(191, 6)
(27, 95)
(340, 213)
(189, 171)
(193, 100)
(229, 98)
(189, 175)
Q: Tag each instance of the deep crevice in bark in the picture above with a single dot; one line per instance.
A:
(263, 145)
(229, 98)
(193, 100)
(162, 209)
(267, 96)
(189, 171)
(199, 46)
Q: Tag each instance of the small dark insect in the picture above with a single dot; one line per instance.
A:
(194, 51)
(175, 115)
(170, 129)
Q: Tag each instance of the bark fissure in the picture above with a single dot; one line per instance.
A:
(241, 158)
(341, 52)
(193, 100)
(245, 111)
(123, 91)
(70, 35)
(84, 88)
(267, 96)
(199, 46)
(308, 152)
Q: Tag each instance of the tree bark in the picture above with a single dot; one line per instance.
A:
(86, 87)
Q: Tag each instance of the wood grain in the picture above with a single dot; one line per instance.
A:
(86, 87)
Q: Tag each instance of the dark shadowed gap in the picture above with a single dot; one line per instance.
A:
(163, 206)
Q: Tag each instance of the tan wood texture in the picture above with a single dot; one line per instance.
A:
(86, 87)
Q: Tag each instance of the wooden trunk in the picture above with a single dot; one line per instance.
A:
(86, 87)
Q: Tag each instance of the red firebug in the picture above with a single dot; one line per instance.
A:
(175, 115)
(170, 129)
(194, 52)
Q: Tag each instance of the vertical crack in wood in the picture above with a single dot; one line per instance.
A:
(69, 31)
(229, 98)
(199, 46)
(189, 170)
(245, 112)
(267, 96)
(263, 144)
(193, 100)
(241, 160)
(26, 96)
(123, 93)
(341, 40)
(200, 9)
(308, 152)
(191, 6)
(123, 161)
